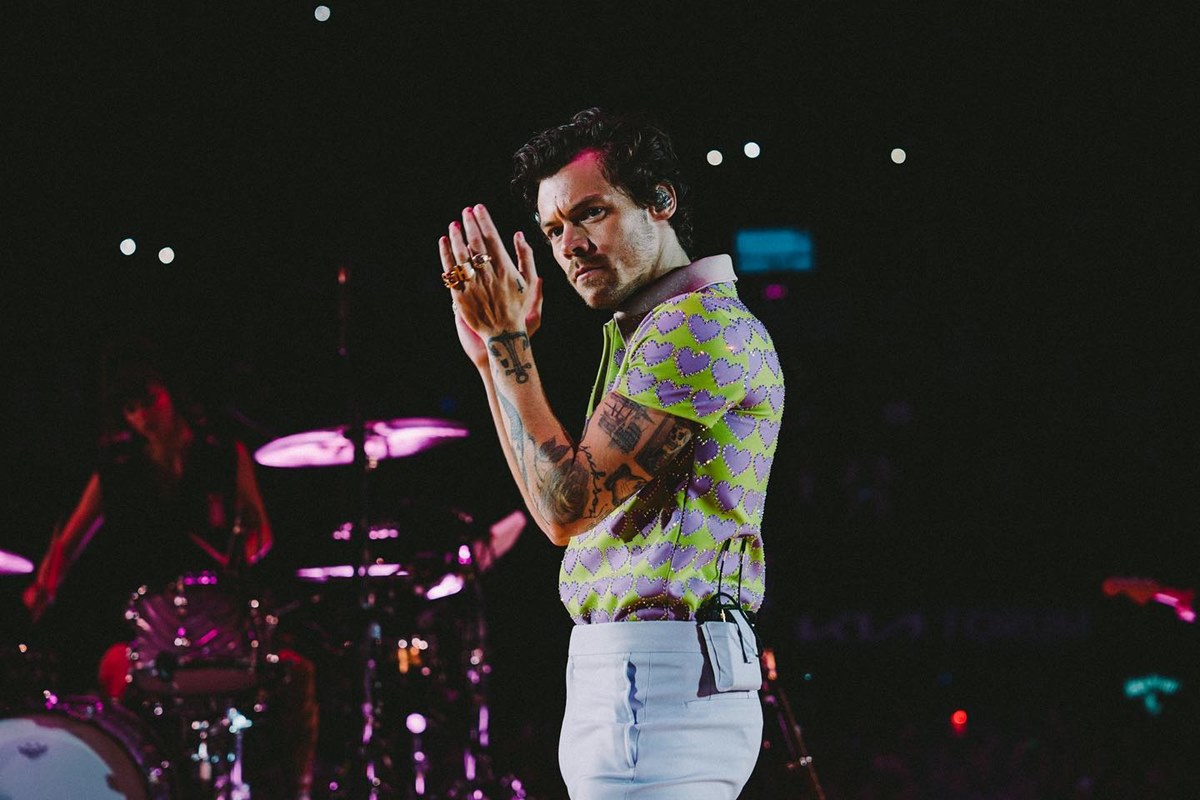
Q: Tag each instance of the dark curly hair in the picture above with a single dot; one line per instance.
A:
(636, 157)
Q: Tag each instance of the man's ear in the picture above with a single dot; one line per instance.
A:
(663, 207)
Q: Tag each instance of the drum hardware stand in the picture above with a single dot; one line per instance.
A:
(775, 700)
(217, 751)
(479, 780)
(365, 780)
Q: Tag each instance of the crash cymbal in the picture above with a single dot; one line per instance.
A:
(13, 564)
(325, 447)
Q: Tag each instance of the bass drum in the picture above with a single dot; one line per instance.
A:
(82, 748)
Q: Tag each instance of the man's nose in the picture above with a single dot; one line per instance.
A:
(574, 241)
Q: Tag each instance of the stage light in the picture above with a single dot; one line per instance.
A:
(415, 723)
(898, 156)
(959, 718)
(321, 13)
(1151, 689)
(714, 157)
(774, 291)
(773, 250)
(128, 247)
(752, 150)
(166, 255)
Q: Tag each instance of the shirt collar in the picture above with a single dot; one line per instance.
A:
(691, 278)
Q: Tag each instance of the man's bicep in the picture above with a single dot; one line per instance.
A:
(632, 443)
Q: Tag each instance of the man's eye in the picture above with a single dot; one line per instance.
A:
(593, 212)
(554, 233)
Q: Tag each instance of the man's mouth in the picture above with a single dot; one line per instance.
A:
(584, 267)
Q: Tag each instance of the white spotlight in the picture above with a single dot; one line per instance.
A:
(898, 156)
(321, 13)
(752, 150)
(714, 157)
(166, 255)
(128, 247)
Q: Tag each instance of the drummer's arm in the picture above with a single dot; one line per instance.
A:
(65, 546)
(257, 537)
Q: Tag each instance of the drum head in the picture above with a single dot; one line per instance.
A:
(195, 637)
(59, 754)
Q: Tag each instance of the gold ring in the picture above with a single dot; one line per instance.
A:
(456, 276)
(480, 260)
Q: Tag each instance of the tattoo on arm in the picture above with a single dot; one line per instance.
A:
(510, 349)
(516, 435)
(563, 483)
(624, 421)
(666, 441)
(622, 483)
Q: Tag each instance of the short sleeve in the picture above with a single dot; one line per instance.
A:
(684, 359)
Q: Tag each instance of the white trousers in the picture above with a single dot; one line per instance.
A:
(643, 721)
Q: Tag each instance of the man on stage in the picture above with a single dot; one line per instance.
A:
(659, 501)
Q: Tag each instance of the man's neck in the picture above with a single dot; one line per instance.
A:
(680, 280)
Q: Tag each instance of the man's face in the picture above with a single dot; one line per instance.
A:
(607, 245)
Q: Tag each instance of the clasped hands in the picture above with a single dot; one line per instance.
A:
(491, 294)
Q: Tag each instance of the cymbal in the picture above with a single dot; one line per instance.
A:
(13, 564)
(326, 447)
(344, 571)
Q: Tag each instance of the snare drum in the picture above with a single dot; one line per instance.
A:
(82, 747)
(196, 637)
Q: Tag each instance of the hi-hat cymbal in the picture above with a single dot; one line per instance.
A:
(326, 447)
(13, 564)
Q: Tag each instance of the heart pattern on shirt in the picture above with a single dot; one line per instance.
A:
(690, 362)
(699, 360)
(669, 321)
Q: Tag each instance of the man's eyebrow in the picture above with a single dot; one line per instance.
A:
(583, 201)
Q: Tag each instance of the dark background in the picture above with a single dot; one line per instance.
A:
(989, 371)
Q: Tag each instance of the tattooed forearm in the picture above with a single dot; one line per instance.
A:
(516, 435)
(666, 441)
(510, 350)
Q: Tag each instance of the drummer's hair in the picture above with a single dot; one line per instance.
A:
(636, 156)
(127, 372)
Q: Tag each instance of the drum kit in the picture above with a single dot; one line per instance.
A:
(205, 652)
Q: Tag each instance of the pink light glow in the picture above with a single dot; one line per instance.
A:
(775, 291)
(342, 571)
(13, 564)
(1182, 603)
(385, 439)
(448, 585)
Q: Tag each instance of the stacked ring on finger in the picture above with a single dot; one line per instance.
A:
(456, 276)
(480, 260)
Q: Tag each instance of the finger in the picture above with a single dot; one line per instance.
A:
(537, 296)
(476, 243)
(459, 252)
(458, 243)
(491, 236)
(446, 255)
(525, 263)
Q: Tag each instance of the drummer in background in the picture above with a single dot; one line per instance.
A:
(168, 498)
